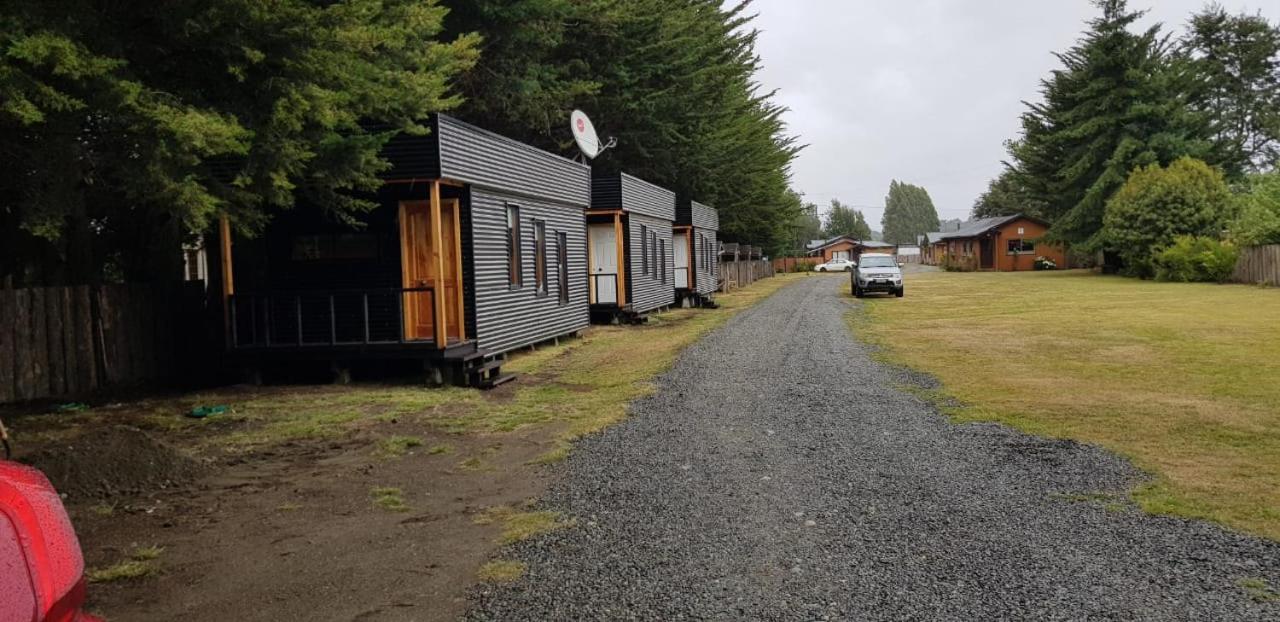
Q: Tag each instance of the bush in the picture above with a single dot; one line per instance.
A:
(1044, 263)
(1196, 259)
(1259, 219)
(954, 264)
(1156, 205)
(802, 267)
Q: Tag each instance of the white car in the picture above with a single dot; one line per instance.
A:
(835, 265)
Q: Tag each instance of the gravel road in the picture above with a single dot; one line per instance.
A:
(780, 474)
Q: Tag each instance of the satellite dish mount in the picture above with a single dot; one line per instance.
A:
(584, 133)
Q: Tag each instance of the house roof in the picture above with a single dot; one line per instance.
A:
(931, 237)
(975, 228)
(846, 238)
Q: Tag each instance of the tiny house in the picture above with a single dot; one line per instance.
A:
(1003, 244)
(696, 252)
(629, 246)
(477, 247)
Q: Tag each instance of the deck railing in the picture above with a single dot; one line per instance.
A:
(308, 318)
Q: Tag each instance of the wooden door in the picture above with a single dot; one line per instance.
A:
(416, 270)
(450, 285)
(680, 253)
(603, 240)
(987, 252)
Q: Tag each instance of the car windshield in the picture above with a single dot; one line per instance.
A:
(878, 262)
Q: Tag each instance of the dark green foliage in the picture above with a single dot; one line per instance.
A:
(1231, 66)
(1194, 259)
(844, 220)
(1258, 221)
(1005, 196)
(806, 226)
(672, 80)
(124, 122)
(1156, 205)
(908, 213)
(1111, 108)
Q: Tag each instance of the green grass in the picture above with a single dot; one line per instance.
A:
(389, 498)
(1258, 589)
(518, 526)
(140, 564)
(1179, 377)
(440, 449)
(501, 571)
(397, 446)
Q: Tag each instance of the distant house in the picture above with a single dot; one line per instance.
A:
(1002, 244)
(931, 247)
(847, 247)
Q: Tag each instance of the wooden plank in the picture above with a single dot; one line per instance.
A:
(623, 268)
(55, 335)
(8, 359)
(39, 344)
(437, 267)
(70, 371)
(24, 377)
(456, 208)
(108, 346)
(86, 356)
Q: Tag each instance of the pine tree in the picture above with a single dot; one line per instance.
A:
(1006, 196)
(908, 213)
(1112, 107)
(844, 220)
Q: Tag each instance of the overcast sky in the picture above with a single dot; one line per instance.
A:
(924, 91)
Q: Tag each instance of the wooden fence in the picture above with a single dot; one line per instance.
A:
(742, 272)
(790, 264)
(1258, 264)
(71, 341)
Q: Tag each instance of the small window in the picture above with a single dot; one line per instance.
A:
(562, 266)
(540, 256)
(1021, 247)
(644, 249)
(662, 259)
(653, 248)
(513, 247)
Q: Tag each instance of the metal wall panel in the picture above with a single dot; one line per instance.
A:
(647, 292)
(632, 194)
(507, 318)
(475, 156)
(705, 273)
(411, 157)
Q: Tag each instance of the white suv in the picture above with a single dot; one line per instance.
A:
(877, 273)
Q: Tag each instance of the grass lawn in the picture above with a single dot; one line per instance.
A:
(1182, 378)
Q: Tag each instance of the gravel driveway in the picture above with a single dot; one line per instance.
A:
(779, 474)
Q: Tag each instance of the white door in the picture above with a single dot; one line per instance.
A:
(604, 263)
(680, 251)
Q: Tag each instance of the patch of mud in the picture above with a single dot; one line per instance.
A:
(113, 461)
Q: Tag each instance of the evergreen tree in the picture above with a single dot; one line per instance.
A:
(672, 80)
(1112, 107)
(806, 227)
(117, 116)
(844, 220)
(908, 212)
(1005, 196)
(1232, 66)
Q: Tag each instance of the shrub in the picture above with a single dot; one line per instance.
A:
(956, 264)
(1259, 212)
(802, 267)
(1196, 259)
(1156, 205)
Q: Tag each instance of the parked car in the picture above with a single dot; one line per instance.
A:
(42, 576)
(835, 265)
(877, 272)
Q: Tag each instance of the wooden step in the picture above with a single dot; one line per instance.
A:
(487, 382)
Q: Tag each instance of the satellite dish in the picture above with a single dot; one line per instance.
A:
(585, 135)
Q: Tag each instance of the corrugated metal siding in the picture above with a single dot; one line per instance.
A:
(698, 215)
(480, 157)
(705, 273)
(642, 197)
(507, 318)
(606, 192)
(649, 292)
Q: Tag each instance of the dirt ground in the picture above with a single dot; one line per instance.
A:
(286, 530)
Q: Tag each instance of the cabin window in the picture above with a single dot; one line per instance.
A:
(644, 249)
(1021, 247)
(335, 247)
(540, 256)
(662, 259)
(653, 248)
(513, 246)
(562, 266)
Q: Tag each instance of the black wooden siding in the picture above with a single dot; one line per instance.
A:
(646, 292)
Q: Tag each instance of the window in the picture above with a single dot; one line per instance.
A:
(653, 248)
(562, 266)
(540, 256)
(644, 249)
(513, 247)
(1021, 247)
(662, 256)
